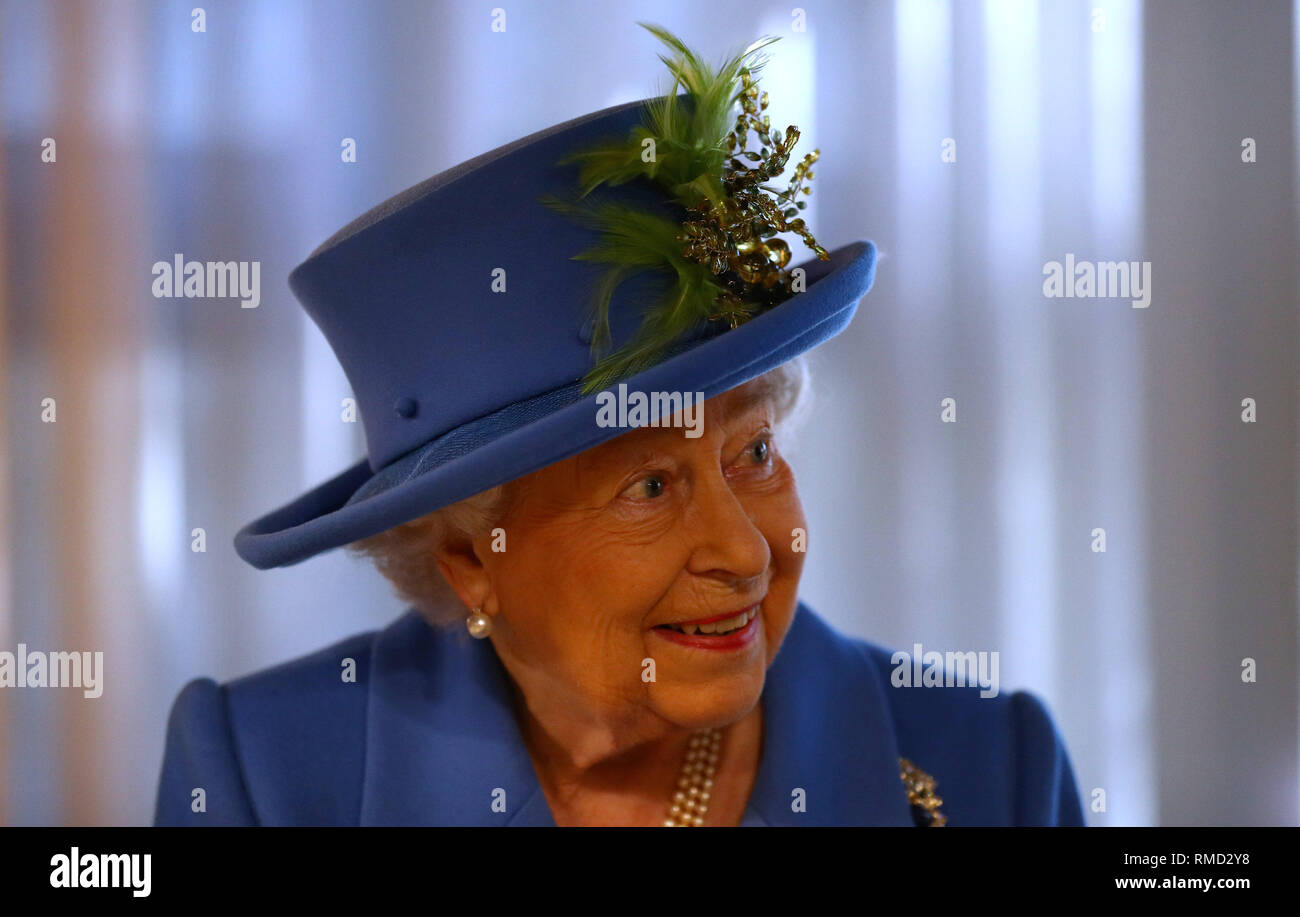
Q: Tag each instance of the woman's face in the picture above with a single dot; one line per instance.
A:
(606, 552)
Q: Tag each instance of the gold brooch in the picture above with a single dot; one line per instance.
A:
(921, 796)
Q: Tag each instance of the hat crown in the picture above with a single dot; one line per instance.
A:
(461, 296)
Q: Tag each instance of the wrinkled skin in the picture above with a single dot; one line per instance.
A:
(648, 528)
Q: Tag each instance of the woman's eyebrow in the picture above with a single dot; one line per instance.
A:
(760, 396)
(618, 460)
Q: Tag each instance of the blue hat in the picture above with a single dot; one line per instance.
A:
(456, 309)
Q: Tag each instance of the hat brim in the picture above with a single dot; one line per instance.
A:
(343, 510)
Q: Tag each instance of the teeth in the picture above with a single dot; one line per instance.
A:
(732, 623)
(717, 628)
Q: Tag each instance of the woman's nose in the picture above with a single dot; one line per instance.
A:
(727, 542)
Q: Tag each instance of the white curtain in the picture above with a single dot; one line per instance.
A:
(1014, 136)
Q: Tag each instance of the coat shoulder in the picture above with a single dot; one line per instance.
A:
(997, 758)
(281, 746)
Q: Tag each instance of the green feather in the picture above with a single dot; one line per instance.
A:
(633, 241)
(690, 140)
(691, 150)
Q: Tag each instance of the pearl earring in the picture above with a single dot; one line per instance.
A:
(478, 624)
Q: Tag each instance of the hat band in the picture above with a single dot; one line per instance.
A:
(465, 439)
(477, 433)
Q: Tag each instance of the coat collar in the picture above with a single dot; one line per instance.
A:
(442, 743)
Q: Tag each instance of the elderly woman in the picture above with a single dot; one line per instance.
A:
(591, 516)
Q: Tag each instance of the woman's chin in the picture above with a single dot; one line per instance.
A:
(719, 704)
(705, 682)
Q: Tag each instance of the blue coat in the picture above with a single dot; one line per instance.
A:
(425, 736)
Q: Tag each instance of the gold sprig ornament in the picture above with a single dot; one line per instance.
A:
(727, 258)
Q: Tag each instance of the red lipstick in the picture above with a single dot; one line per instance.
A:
(722, 617)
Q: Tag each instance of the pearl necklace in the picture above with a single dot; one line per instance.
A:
(690, 803)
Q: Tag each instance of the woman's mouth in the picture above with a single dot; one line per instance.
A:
(719, 628)
(718, 633)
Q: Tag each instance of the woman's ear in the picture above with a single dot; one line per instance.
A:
(460, 557)
(459, 563)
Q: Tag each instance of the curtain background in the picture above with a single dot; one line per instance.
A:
(1111, 138)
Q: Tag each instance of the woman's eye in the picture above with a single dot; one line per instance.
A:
(758, 451)
(647, 488)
